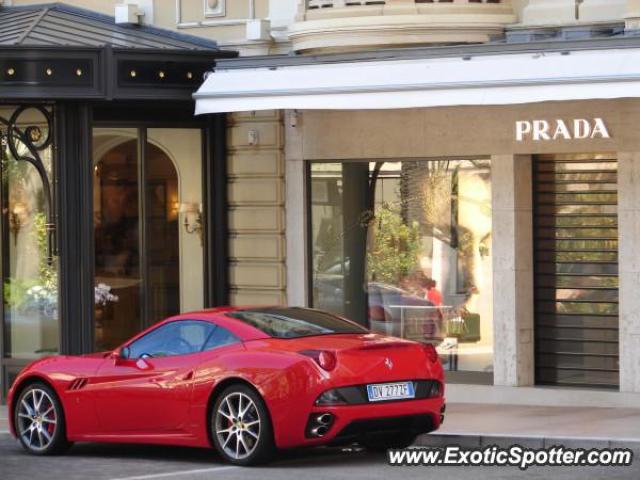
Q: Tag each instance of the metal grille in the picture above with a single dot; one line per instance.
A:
(576, 270)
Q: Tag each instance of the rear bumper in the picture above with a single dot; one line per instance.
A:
(352, 421)
(411, 424)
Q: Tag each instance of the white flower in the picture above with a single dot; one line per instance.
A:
(103, 295)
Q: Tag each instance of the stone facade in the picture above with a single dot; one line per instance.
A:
(357, 25)
(629, 233)
(256, 208)
(258, 27)
(512, 247)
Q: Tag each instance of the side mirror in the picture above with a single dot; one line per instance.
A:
(124, 353)
(121, 355)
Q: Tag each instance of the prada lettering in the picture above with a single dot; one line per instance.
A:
(546, 131)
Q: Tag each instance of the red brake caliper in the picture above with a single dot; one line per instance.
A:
(51, 426)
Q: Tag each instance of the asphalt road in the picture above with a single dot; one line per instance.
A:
(111, 462)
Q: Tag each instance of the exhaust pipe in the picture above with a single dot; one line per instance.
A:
(319, 424)
(325, 419)
(319, 431)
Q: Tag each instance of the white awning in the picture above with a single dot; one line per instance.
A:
(479, 80)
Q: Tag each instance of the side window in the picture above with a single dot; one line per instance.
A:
(219, 338)
(181, 337)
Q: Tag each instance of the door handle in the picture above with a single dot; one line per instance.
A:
(188, 376)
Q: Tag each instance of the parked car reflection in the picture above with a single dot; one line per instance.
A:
(391, 311)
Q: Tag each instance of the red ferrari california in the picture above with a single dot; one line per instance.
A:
(247, 381)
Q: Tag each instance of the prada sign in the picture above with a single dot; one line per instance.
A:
(547, 131)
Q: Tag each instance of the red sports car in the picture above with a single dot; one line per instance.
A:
(246, 380)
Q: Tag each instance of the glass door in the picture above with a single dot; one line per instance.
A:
(28, 260)
(147, 216)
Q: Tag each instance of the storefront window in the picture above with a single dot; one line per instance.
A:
(405, 248)
(29, 262)
(147, 228)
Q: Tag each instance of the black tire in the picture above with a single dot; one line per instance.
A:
(44, 433)
(227, 422)
(383, 442)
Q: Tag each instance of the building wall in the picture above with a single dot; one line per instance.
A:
(267, 26)
(488, 131)
(256, 208)
(459, 131)
(557, 12)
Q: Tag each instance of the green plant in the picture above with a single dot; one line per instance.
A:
(40, 291)
(393, 251)
(48, 271)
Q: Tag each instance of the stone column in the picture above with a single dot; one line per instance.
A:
(512, 248)
(296, 211)
(629, 261)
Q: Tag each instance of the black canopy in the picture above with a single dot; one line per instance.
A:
(53, 51)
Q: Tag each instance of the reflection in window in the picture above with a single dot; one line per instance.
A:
(405, 248)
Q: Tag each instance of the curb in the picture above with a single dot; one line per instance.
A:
(475, 440)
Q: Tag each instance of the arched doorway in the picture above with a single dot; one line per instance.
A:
(136, 229)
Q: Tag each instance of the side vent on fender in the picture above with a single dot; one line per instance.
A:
(78, 383)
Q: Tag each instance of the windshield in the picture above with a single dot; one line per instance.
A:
(295, 322)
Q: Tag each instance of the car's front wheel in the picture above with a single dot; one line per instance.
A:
(39, 421)
(240, 426)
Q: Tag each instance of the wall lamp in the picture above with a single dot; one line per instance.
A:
(192, 215)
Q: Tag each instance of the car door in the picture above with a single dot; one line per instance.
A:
(147, 389)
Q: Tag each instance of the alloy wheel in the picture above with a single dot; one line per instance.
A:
(237, 425)
(37, 419)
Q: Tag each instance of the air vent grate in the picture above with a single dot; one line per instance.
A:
(78, 384)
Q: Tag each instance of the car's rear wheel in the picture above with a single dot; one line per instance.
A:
(240, 426)
(39, 421)
(383, 442)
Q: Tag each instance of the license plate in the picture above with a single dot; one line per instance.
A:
(390, 391)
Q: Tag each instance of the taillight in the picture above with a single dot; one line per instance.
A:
(326, 360)
(431, 352)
